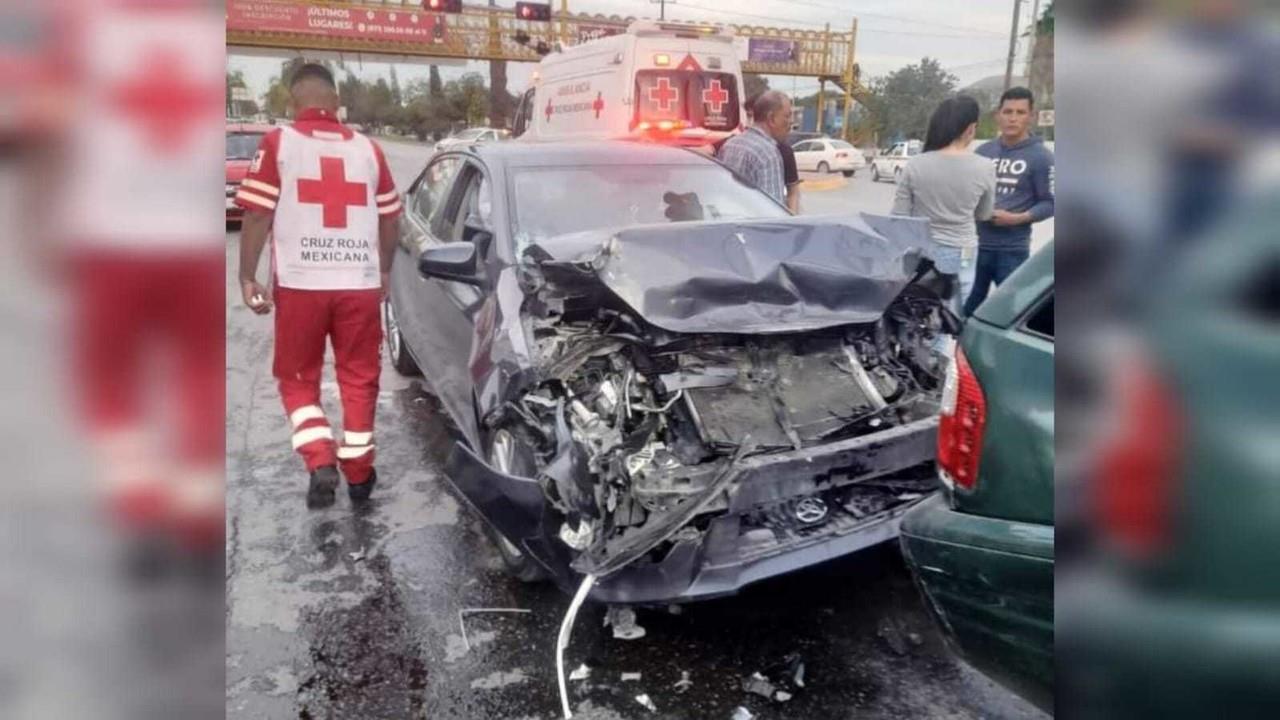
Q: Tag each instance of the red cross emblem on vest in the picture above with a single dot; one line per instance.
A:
(333, 192)
(165, 101)
(550, 109)
(715, 96)
(598, 105)
(663, 94)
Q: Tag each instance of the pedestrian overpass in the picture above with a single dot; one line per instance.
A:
(403, 28)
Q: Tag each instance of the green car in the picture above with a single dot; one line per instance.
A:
(981, 550)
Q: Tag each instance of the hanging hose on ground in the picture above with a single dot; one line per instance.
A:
(562, 641)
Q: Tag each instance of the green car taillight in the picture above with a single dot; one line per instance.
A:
(964, 417)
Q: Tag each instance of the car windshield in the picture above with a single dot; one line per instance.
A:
(242, 146)
(471, 134)
(562, 200)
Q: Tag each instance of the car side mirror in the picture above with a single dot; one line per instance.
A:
(455, 261)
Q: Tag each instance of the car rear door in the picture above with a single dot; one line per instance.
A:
(805, 155)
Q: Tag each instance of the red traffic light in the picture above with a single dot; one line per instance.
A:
(533, 11)
(442, 6)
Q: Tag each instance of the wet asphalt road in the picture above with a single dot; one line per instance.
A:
(346, 614)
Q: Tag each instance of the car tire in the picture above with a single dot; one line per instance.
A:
(875, 173)
(401, 360)
(509, 455)
(848, 173)
(824, 168)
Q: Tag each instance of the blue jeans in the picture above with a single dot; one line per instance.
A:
(958, 262)
(993, 267)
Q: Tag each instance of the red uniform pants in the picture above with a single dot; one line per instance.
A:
(147, 325)
(350, 320)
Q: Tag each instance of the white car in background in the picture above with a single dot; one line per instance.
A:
(471, 136)
(825, 155)
(890, 164)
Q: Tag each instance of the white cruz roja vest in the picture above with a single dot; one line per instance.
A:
(325, 234)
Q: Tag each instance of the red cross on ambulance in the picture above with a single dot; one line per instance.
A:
(715, 96)
(663, 94)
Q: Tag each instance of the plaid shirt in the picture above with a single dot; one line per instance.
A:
(755, 156)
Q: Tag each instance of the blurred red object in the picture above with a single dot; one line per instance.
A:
(1134, 487)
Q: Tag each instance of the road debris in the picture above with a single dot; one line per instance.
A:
(562, 640)
(582, 673)
(645, 701)
(759, 685)
(893, 638)
(779, 682)
(684, 683)
(630, 677)
(498, 680)
(464, 612)
(623, 621)
(741, 713)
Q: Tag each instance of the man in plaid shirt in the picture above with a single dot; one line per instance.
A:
(754, 154)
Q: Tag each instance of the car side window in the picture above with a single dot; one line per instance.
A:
(435, 182)
(475, 208)
(1040, 321)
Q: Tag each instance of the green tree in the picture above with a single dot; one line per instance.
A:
(753, 85)
(902, 101)
(276, 99)
(467, 99)
(397, 97)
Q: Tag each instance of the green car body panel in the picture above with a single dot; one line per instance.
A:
(984, 558)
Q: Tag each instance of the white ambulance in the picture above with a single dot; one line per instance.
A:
(671, 82)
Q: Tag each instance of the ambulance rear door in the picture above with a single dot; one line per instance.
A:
(688, 86)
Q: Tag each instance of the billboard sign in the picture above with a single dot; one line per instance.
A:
(763, 50)
(290, 16)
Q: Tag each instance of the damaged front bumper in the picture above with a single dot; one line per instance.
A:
(731, 548)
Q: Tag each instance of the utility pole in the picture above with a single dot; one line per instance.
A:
(1013, 45)
(662, 7)
(1031, 44)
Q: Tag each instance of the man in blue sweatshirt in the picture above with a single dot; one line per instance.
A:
(1024, 194)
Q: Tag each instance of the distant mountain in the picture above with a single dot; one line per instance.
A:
(987, 90)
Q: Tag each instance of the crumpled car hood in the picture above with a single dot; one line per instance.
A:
(767, 276)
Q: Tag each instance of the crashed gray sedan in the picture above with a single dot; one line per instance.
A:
(659, 377)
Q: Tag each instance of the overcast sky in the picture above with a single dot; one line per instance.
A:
(970, 38)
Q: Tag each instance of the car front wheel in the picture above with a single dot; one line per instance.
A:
(824, 168)
(401, 360)
(875, 173)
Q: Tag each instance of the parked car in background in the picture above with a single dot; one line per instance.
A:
(825, 155)
(242, 144)
(982, 549)
(471, 136)
(890, 163)
(796, 136)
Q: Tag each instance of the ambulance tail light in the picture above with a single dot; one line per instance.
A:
(661, 126)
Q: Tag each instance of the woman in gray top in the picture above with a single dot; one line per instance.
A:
(952, 187)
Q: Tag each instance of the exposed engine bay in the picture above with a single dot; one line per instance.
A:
(636, 434)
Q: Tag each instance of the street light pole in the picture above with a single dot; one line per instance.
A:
(1013, 45)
